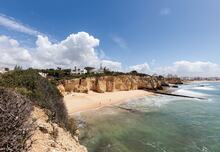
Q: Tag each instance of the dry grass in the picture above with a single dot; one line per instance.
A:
(14, 129)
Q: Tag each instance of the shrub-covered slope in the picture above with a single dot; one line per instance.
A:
(39, 90)
(14, 129)
(20, 91)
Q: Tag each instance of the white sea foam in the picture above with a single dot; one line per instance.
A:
(149, 103)
(189, 93)
(158, 101)
(204, 88)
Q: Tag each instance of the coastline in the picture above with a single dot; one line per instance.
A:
(198, 81)
(80, 102)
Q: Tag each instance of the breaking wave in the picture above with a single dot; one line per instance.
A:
(204, 88)
(148, 103)
(190, 93)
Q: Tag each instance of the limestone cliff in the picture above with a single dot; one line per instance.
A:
(111, 83)
(49, 137)
(174, 80)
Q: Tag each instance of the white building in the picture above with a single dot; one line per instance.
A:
(78, 71)
(43, 74)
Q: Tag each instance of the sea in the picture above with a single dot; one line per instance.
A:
(157, 123)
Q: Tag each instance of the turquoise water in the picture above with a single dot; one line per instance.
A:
(157, 124)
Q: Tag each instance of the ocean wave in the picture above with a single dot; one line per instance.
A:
(204, 88)
(189, 93)
(148, 103)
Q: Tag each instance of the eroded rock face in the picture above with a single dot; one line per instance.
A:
(61, 88)
(174, 80)
(49, 137)
(111, 83)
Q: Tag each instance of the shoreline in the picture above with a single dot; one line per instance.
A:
(198, 81)
(81, 102)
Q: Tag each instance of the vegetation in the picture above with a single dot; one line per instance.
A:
(134, 72)
(14, 130)
(58, 75)
(17, 68)
(39, 90)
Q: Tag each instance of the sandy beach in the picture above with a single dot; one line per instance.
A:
(78, 102)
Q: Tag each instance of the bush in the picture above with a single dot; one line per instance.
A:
(71, 126)
(39, 90)
(14, 129)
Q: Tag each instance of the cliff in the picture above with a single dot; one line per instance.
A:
(48, 136)
(174, 80)
(111, 83)
(33, 115)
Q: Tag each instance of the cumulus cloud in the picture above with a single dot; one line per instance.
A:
(80, 50)
(181, 68)
(187, 68)
(12, 24)
(11, 53)
(142, 68)
(113, 65)
(76, 50)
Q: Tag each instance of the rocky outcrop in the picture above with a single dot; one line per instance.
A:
(174, 80)
(49, 137)
(111, 83)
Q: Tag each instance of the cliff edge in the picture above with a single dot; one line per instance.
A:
(111, 83)
(49, 137)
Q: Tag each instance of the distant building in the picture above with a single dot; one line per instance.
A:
(90, 69)
(43, 74)
(100, 70)
(78, 71)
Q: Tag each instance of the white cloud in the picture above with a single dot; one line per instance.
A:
(142, 68)
(187, 68)
(12, 24)
(181, 68)
(119, 41)
(11, 53)
(165, 11)
(76, 50)
(115, 66)
(79, 50)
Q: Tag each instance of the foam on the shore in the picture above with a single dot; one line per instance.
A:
(204, 88)
(189, 93)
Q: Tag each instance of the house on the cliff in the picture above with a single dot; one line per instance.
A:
(43, 74)
(77, 71)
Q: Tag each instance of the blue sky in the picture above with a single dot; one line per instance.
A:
(157, 33)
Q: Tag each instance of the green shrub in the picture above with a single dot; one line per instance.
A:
(72, 126)
(39, 90)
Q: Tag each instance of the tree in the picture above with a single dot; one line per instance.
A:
(134, 72)
(17, 68)
(7, 69)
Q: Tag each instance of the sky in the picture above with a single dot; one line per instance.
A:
(150, 36)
